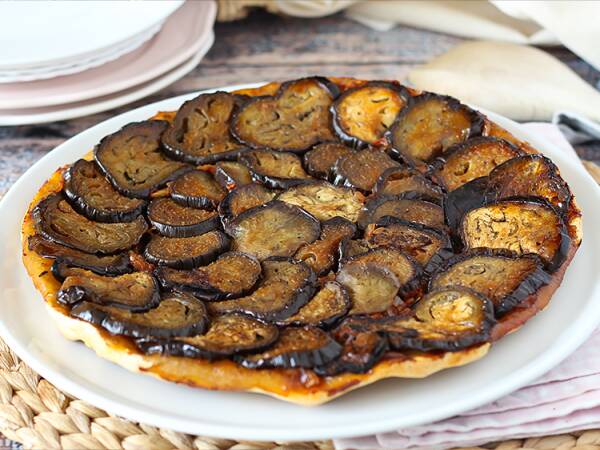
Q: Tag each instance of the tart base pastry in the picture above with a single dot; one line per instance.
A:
(297, 385)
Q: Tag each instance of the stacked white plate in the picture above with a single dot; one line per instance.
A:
(62, 60)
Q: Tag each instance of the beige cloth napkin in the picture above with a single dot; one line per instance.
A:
(575, 24)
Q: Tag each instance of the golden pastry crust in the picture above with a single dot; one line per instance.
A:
(293, 385)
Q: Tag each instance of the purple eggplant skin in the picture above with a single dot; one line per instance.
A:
(530, 285)
(116, 264)
(460, 201)
(80, 204)
(352, 141)
(153, 129)
(97, 316)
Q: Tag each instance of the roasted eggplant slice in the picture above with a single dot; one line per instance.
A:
(362, 169)
(306, 347)
(293, 120)
(92, 195)
(522, 226)
(273, 229)
(178, 314)
(529, 176)
(278, 170)
(230, 276)
(472, 159)
(286, 286)
(242, 199)
(352, 247)
(449, 319)
(57, 221)
(321, 254)
(430, 124)
(199, 134)
(504, 279)
(403, 267)
(362, 115)
(406, 207)
(197, 189)
(188, 252)
(418, 241)
(232, 174)
(372, 288)
(319, 161)
(103, 265)
(362, 347)
(132, 159)
(324, 200)
(398, 180)
(136, 291)
(174, 220)
(228, 334)
(324, 309)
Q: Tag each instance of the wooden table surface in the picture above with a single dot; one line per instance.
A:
(266, 47)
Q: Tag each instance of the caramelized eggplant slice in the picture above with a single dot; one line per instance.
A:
(352, 247)
(230, 276)
(321, 254)
(361, 169)
(403, 267)
(472, 159)
(319, 161)
(430, 124)
(327, 306)
(398, 180)
(174, 220)
(277, 170)
(136, 291)
(197, 189)
(286, 286)
(232, 174)
(178, 314)
(418, 241)
(361, 348)
(199, 134)
(449, 319)
(363, 114)
(412, 208)
(306, 347)
(92, 195)
(273, 229)
(522, 226)
(228, 334)
(372, 288)
(132, 159)
(187, 252)
(58, 222)
(529, 176)
(504, 279)
(103, 265)
(293, 120)
(242, 199)
(324, 200)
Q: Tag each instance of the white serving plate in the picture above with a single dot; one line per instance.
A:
(182, 35)
(67, 111)
(513, 362)
(47, 34)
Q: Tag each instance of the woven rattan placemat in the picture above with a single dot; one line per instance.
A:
(39, 416)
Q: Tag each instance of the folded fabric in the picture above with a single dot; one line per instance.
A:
(566, 399)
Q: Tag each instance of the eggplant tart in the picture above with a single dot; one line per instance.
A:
(301, 239)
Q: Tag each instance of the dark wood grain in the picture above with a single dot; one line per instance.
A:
(264, 47)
